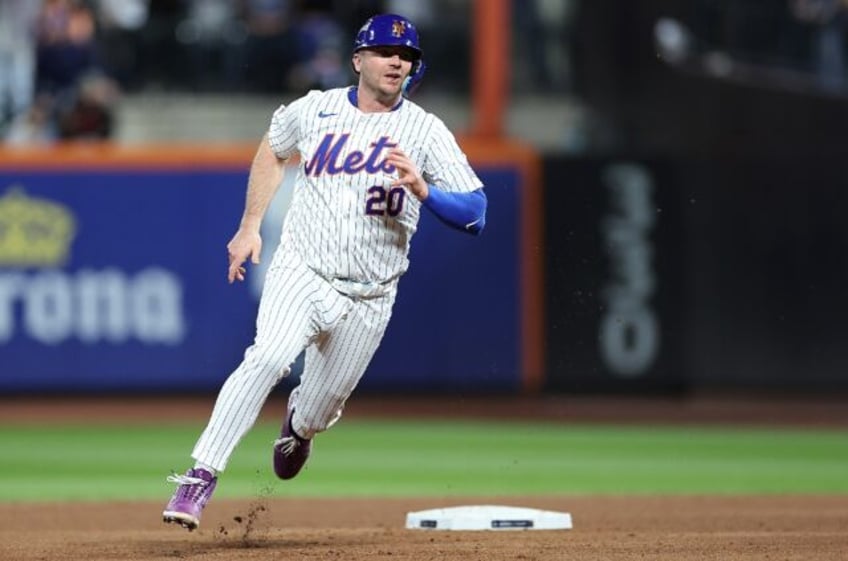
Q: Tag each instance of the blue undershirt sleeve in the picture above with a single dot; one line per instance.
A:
(463, 211)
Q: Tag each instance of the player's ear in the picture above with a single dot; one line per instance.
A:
(356, 62)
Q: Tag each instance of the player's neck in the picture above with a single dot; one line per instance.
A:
(369, 101)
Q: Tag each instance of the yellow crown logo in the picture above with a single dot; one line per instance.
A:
(33, 232)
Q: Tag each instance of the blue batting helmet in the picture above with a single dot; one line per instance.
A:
(388, 30)
(392, 30)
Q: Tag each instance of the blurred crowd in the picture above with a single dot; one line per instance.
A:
(805, 37)
(65, 63)
(51, 85)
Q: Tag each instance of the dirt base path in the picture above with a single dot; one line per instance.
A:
(608, 529)
(279, 529)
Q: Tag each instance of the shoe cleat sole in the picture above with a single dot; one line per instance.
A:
(188, 523)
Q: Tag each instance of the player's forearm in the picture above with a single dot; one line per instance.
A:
(463, 211)
(266, 173)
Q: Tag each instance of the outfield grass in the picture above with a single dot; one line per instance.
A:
(403, 458)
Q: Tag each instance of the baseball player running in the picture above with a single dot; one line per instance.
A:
(369, 160)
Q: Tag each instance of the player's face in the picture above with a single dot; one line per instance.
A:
(382, 70)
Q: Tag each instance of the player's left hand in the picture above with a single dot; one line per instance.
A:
(408, 173)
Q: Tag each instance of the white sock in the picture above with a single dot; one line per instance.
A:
(207, 467)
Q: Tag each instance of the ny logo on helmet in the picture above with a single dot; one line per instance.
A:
(398, 28)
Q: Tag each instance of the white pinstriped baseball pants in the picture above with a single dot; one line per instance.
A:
(298, 310)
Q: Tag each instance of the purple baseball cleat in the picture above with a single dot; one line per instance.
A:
(194, 491)
(290, 450)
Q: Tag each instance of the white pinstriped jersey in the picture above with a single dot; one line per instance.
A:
(345, 219)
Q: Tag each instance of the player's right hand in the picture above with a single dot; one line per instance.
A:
(246, 244)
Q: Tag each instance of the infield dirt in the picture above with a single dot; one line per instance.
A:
(605, 528)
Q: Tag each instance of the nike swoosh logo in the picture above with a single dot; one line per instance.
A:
(322, 115)
(471, 224)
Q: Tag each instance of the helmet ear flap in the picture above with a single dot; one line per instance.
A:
(414, 79)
